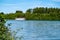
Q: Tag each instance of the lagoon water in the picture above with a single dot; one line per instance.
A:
(35, 30)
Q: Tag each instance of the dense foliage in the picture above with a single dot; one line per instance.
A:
(4, 31)
(39, 13)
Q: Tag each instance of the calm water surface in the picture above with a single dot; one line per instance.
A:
(35, 30)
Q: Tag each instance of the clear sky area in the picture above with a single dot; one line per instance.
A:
(9, 6)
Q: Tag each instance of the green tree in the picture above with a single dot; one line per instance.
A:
(19, 11)
(1, 13)
(4, 31)
(28, 11)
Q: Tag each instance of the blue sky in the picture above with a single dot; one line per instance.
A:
(8, 6)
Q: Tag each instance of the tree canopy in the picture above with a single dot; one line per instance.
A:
(38, 13)
(4, 31)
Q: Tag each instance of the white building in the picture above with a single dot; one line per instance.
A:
(20, 19)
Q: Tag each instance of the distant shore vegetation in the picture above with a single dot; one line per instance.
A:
(38, 13)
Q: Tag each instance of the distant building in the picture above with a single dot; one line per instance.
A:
(20, 19)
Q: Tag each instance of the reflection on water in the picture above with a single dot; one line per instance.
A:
(36, 30)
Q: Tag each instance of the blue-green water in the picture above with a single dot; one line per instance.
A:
(35, 30)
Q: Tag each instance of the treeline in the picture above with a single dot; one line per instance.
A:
(39, 13)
